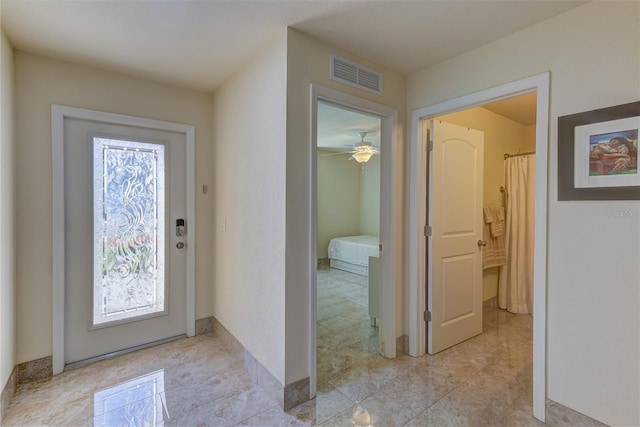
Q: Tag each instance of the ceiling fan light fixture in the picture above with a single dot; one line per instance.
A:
(363, 150)
(362, 156)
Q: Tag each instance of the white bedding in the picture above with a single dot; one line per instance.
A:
(354, 249)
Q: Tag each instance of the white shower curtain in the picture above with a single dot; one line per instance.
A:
(515, 284)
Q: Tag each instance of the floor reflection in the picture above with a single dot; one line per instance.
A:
(137, 402)
(201, 381)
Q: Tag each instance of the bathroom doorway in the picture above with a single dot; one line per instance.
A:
(419, 305)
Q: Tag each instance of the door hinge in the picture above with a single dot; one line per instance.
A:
(427, 230)
(380, 247)
(429, 143)
(427, 316)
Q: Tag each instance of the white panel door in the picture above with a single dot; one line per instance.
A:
(454, 254)
(125, 264)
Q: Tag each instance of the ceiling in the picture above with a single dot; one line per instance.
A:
(198, 44)
(521, 109)
(338, 128)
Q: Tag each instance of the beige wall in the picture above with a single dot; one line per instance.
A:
(308, 62)
(338, 199)
(249, 174)
(593, 321)
(7, 218)
(41, 82)
(370, 197)
(530, 138)
(501, 135)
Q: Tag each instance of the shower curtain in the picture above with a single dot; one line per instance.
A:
(515, 283)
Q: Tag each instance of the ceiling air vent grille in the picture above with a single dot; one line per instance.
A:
(356, 75)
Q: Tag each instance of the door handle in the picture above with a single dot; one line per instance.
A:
(482, 243)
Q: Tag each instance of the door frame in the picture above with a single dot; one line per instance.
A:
(390, 216)
(58, 115)
(417, 213)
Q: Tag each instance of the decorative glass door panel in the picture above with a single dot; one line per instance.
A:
(129, 224)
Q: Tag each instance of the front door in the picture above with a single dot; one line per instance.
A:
(125, 237)
(454, 252)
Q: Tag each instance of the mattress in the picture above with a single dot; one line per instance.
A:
(354, 249)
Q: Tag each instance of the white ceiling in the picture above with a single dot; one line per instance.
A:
(199, 43)
(338, 128)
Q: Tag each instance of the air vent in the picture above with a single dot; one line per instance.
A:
(356, 75)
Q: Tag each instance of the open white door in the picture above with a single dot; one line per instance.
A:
(454, 248)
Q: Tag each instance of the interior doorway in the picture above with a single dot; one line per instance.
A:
(390, 224)
(348, 212)
(419, 273)
(501, 222)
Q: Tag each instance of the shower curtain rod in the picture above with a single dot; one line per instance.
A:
(506, 156)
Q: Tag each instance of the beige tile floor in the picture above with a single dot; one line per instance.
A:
(199, 382)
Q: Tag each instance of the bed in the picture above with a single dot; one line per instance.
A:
(352, 253)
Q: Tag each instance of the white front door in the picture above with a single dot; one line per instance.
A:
(454, 273)
(125, 258)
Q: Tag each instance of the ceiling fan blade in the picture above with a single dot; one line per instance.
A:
(336, 153)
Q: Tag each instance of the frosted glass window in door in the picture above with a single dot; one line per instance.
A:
(129, 247)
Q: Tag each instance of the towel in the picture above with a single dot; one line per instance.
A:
(494, 253)
(496, 229)
(488, 217)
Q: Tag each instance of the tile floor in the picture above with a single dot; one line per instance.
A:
(199, 382)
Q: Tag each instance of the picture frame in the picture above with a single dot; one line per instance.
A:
(597, 154)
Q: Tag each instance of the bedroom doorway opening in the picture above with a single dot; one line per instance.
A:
(390, 225)
(348, 238)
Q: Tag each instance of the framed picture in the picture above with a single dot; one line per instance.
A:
(598, 154)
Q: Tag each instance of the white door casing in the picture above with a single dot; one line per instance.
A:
(454, 265)
(181, 301)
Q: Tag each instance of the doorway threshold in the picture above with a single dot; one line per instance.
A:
(90, 360)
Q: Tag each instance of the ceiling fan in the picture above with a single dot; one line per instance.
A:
(362, 150)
